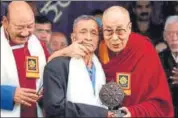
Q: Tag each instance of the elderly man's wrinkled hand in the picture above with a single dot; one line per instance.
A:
(126, 111)
(175, 76)
(25, 96)
(76, 49)
(111, 114)
(160, 47)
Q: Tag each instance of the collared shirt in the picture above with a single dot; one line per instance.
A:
(92, 74)
(175, 57)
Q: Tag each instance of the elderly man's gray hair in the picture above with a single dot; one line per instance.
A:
(170, 20)
(83, 17)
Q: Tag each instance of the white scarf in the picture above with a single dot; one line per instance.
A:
(9, 75)
(80, 89)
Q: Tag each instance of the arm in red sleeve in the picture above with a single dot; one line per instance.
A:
(155, 99)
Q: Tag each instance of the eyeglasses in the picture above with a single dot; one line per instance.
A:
(119, 31)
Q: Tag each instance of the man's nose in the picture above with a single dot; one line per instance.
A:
(25, 33)
(43, 35)
(145, 9)
(175, 37)
(89, 37)
(115, 37)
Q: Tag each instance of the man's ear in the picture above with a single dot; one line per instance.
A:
(164, 36)
(5, 22)
(73, 37)
(130, 25)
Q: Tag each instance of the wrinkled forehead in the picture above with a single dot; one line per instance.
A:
(115, 19)
(143, 3)
(43, 26)
(172, 26)
(21, 19)
(86, 24)
(21, 16)
(59, 38)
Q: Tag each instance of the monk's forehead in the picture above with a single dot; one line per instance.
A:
(115, 15)
(22, 20)
(20, 12)
(114, 18)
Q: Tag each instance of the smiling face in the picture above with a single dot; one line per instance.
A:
(116, 28)
(87, 31)
(19, 27)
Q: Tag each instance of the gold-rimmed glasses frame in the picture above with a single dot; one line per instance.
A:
(119, 31)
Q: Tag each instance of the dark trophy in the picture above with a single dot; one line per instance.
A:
(112, 96)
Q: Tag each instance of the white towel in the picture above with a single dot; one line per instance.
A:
(80, 89)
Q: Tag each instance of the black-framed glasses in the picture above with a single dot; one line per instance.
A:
(119, 31)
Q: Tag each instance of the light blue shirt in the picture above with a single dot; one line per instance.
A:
(92, 74)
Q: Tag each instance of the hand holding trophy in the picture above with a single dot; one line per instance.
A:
(112, 95)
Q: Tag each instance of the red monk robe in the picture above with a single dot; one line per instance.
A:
(150, 95)
(20, 55)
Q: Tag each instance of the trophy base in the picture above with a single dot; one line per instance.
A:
(118, 113)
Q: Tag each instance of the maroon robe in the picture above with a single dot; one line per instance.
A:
(20, 55)
(150, 95)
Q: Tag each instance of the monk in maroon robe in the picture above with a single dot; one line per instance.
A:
(149, 95)
(20, 55)
(130, 60)
(17, 34)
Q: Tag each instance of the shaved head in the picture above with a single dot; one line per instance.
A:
(116, 28)
(116, 12)
(18, 10)
(19, 22)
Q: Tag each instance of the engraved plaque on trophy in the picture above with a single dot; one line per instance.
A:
(112, 95)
